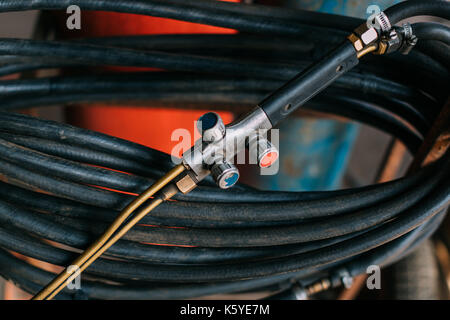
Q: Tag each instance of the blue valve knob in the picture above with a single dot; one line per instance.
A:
(225, 174)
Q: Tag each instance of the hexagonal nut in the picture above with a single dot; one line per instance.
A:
(366, 34)
(369, 36)
(186, 184)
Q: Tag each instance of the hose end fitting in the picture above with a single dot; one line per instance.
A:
(373, 36)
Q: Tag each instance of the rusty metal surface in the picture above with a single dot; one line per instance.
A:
(392, 165)
(436, 142)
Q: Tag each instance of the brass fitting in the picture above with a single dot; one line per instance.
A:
(168, 192)
(372, 37)
(319, 286)
(364, 42)
(186, 184)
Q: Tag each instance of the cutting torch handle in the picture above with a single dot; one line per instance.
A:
(309, 82)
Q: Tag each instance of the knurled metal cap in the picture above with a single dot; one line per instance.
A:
(263, 151)
(211, 127)
(225, 174)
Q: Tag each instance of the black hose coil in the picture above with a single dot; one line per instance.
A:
(221, 242)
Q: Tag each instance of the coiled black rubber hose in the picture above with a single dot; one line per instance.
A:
(240, 240)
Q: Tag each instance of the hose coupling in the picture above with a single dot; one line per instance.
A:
(186, 184)
(409, 38)
(372, 36)
(342, 277)
(318, 286)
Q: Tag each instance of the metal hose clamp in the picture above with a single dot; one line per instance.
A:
(409, 39)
